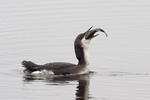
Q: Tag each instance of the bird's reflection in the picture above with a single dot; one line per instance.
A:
(82, 89)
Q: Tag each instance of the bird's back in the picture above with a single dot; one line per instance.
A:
(61, 68)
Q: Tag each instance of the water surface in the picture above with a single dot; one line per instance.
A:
(44, 31)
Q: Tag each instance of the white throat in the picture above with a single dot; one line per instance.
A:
(85, 45)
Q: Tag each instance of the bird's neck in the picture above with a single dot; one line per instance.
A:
(86, 56)
(82, 55)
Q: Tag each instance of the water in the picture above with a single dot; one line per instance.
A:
(44, 31)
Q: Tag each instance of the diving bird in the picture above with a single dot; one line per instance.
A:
(81, 45)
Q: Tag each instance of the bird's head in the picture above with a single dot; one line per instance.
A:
(84, 39)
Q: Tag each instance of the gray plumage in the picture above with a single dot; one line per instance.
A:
(81, 45)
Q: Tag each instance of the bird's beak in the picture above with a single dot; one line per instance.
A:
(89, 34)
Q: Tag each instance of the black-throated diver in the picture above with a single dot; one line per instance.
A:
(81, 46)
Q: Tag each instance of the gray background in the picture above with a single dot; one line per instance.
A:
(44, 31)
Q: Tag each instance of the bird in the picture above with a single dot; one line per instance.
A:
(81, 45)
